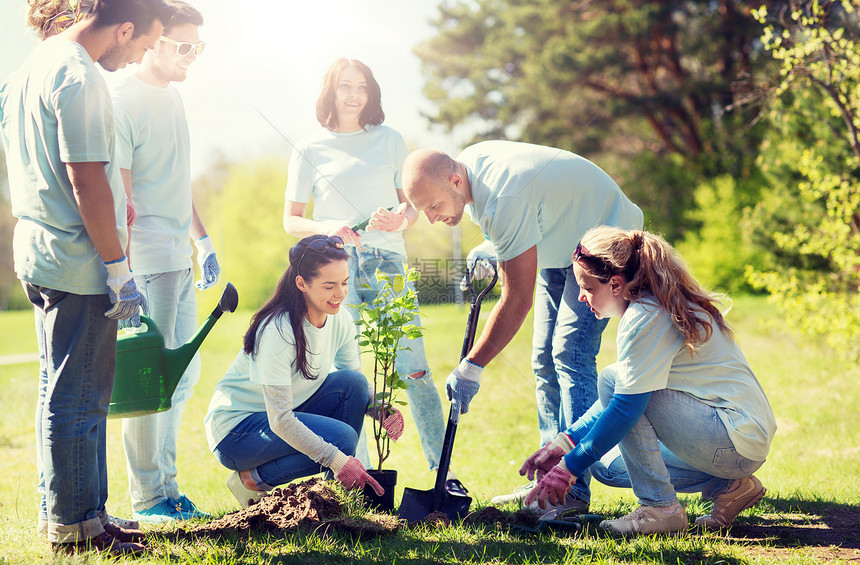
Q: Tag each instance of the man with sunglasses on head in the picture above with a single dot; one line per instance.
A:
(153, 153)
(533, 203)
(57, 124)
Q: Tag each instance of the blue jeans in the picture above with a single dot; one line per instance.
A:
(422, 394)
(335, 412)
(77, 354)
(565, 347)
(150, 441)
(679, 445)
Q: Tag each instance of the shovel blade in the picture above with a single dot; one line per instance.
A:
(418, 504)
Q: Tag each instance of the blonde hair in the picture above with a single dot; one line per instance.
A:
(650, 265)
(50, 17)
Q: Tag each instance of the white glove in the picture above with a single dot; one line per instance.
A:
(209, 269)
(462, 385)
(124, 295)
(481, 263)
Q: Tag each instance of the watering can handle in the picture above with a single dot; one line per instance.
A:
(229, 301)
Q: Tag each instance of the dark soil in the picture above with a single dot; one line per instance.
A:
(310, 505)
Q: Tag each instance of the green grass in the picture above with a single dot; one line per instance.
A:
(814, 462)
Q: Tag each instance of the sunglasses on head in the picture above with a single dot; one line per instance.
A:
(320, 246)
(183, 48)
(601, 268)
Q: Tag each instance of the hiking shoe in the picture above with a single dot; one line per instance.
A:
(648, 520)
(42, 524)
(243, 494)
(572, 507)
(455, 487)
(124, 535)
(167, 510)
(744, 493)
(188, 507)
(102, 543)
(517, 495)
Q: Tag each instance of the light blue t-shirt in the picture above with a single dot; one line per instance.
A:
(349, 176)
(652, 356)
(526, 195)
(240, 392)
(153, 142)
(56, 109)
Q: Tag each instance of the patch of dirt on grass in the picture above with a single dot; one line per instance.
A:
(831, 535)
(312, 505)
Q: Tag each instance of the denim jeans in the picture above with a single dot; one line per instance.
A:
(150, 441)
(679, 445)
(335, 412)
(565, 347)
(422, 395)
(77, 351)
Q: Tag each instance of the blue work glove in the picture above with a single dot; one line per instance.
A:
(123, 293)
(481, 263)
(462, 385)
(209, 269)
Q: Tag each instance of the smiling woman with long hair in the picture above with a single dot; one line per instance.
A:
(292, 403)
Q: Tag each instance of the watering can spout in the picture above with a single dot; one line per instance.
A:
(147, 373)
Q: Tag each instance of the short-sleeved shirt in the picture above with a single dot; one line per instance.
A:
(529, 195)
(349, 176)
(652, 356)
(56, 109)
(240, 392)
(153, 142)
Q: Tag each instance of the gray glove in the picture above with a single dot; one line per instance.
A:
(123, 293)
(481, 263)
(462, 385)
(209, 269)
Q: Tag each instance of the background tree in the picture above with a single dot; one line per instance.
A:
(644, 88)
(814, 213)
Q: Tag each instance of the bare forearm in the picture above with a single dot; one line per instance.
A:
(298, 226)
(95, 202)
(502, 325)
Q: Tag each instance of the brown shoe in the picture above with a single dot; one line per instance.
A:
(102, 543)
(124, 534)
(744, 493)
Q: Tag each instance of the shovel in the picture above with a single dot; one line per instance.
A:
(418, 504)
(147, 372)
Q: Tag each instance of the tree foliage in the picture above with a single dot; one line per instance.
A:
(649, 87)
(816, 222)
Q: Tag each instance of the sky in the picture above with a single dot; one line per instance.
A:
(254, 89)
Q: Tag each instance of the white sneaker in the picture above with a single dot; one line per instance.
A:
(516, 495)
(243, 494)
(648, 520)
(571, 507)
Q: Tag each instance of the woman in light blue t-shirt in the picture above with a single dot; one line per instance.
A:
(681, 402)
(351, 169)
(293, 401)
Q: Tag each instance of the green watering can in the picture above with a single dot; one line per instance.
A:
(147, 372)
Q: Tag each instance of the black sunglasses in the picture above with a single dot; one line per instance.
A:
(600, 267)
(320, 246)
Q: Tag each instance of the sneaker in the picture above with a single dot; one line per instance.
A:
(455, 487)
(243, 494)
(165, 511)
(103, 543)
(517, 495)
(572, 507)
(188, 507)
(744, 493)
(648, 520)
(124, 535)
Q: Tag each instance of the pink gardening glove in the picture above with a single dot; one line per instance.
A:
(130, 214)
(354, 475)
(391, 418)
(389, 220)
(547, 457)
(552, 487)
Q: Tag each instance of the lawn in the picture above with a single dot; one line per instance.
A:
(810, 514)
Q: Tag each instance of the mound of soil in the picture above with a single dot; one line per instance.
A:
(312, 504)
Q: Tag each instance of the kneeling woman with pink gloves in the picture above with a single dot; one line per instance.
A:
(293, 401)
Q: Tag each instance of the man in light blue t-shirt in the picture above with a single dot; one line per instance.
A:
(533, 204)
(57, 123)
(153, 153)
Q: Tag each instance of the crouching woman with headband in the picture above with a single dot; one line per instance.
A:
(293, 401)
(681, 402)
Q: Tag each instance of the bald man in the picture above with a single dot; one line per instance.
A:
(533, 204)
